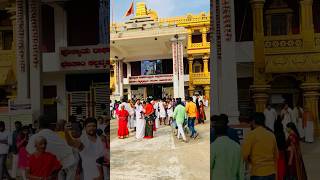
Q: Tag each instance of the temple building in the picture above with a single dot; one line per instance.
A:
(274, 53)
(57, 69)
(160, 57)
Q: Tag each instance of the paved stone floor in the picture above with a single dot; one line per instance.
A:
(311, 157)
(160, 158)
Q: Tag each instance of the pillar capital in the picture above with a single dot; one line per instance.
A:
(205, 57)
(261, 96)
(257, 2)
(190, 58)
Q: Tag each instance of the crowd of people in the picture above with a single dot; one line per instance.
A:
(271, 150)
(70, 150)
(144, 117)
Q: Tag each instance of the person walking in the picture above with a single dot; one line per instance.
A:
(13, 148)
(123, 115)
(149, 117)
(91, 148)
(308, 126)
(23, 156)
(296, 168)
(4, 150)
(191, 110)
(42, 164)
(225, 156)
(179, 115)
(282, 149)
(271, 116)
(286, 115)
(141, 123)
(231, 133)
(260, 150)
(54, 145)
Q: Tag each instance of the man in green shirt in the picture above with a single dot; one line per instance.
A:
(226, 159)
(179, 115)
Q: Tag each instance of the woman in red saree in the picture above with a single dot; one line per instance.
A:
(282, 149)
(123, 130)
(202, 114)
(296, 168)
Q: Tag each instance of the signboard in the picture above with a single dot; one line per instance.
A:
(152, 79)
(19, 107)
(84, 57)
(242, 130)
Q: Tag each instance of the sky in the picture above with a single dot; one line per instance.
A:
(164, 8)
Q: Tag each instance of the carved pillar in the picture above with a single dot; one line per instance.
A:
(189, 38)
(311, 87)
(207, 92)
(191, 88)
(260, 87)
(121, 78)
(261, 95)
(306, 25)
(205, 59)
(204, 36)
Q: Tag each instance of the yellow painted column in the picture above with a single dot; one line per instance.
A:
(207, 92)
(204, 36)
(306, 25)
(311, 95)
(205, 59)
(260, 87)
(191, 88)
(189, 38)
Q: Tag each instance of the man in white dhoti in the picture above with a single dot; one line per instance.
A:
(141, 123)
(162, 112)
(271, 116)
(298, 119)
(286, 115)
(308, 126)
(156, 107)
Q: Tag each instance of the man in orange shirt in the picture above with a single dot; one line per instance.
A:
(260, 150)
(191, 110)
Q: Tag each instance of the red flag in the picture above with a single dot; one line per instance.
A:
(130, 10)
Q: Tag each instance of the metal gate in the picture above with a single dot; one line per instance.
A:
(93, 103)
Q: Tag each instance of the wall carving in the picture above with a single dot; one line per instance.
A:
(293, 63)
(288, 43)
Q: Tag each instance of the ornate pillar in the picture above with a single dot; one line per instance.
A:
(311, 94)
(207, 92)
(22, 66)
(306, 25)
(35, 65)
(120, 78)
(191, 88)
(204, 36)
(205, 59)
(178, 73)
(189, 38)
(12, 11)
(260, 87)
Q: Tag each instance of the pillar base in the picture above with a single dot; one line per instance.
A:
(261, 96)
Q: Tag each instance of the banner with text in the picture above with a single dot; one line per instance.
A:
(151, 79)
(84, 58)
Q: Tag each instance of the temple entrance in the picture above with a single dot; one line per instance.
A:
(285, 89)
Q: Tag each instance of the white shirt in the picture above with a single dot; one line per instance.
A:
(89, 155)
(287, 116)
(55, 145)
(138, 109)
(296, 115)
(4, 136)
(271, 116)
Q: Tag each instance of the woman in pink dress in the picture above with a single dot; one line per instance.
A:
(23, 156)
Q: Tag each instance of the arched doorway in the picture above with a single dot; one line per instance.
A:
(285, 88)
